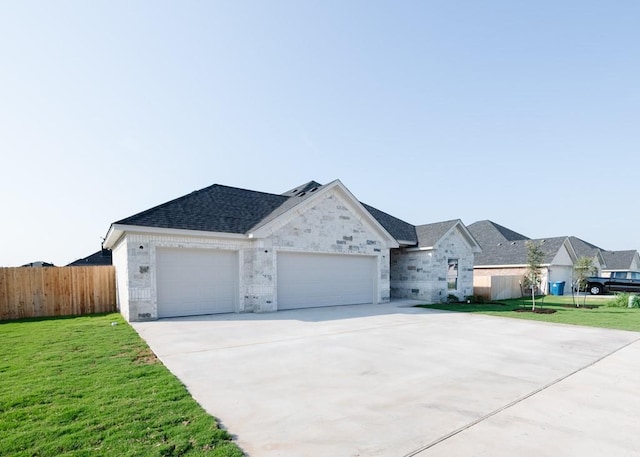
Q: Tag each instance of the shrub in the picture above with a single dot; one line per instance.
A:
(452, 299)
(622, 301)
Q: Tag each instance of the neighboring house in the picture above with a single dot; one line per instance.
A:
(438, 265)
(504, 253)
(38, 263)
(100, 258)
(590, 251)
(223, 249)
(620, 261)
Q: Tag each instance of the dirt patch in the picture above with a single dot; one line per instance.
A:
(536, 311)
(146, 357)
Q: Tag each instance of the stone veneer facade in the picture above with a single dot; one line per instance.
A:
(330, 224)
(422, 274)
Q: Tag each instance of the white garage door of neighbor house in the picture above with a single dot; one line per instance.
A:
(311, 280)
(192, 282)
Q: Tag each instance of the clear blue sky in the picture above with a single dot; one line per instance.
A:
(524, 113)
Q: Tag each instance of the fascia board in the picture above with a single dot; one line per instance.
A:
(524, 265)
(116, 231)
(112, 237)
(421, 248)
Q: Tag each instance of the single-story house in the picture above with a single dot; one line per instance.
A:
(504, 254)
(503, 260)
(222, 249)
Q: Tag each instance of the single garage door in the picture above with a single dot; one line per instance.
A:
(191, 282)
(311, 280)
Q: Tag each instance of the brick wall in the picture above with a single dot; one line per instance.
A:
(331, 225)
(422, 274)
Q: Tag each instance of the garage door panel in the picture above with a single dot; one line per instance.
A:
(196, 281)
(311, 280)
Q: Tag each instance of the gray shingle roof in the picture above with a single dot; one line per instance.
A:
(498, 250)
(226, 209)
(429, 234)
(303, 188)
(618, 260)
(213, 209)
(292, 198)
(399, 229)
(488, 232)
(102, 257)
(583, 248)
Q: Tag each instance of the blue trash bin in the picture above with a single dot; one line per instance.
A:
(557, 288)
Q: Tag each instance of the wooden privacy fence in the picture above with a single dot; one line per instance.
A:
(56, 291)
(497, 287)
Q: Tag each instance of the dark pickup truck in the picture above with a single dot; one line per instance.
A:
(619, 281)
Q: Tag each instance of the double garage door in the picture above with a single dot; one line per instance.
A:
(203, 281)
(311, 280)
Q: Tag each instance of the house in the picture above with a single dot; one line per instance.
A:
(585, 249)
(100, 258)
(38, 263)
(504, 254)
(222, 249)
(438, 266)
(620, 261)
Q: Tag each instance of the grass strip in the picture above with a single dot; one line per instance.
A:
(88, 386)
(603, 316)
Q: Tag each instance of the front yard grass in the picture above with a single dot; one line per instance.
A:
(89, 386)
(602, 316)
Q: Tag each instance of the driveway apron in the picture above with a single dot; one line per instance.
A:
(394, 380)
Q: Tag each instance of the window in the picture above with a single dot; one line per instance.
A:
(452, 274)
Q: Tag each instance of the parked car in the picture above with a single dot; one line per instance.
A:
(619, 281)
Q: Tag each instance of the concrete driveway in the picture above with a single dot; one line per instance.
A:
(393, 380)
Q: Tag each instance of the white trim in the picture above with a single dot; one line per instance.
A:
(423, 248)
(117, 230)
(523, 265)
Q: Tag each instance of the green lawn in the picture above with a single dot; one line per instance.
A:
(84, 387)
(604, 316)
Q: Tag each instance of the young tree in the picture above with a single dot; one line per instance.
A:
(582, 269)
(533, 277)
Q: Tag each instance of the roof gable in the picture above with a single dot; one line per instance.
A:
(619, 260)
(430, 234)
(301, 200)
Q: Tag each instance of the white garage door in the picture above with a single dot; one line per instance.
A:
(310, 280)
(196, 281)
